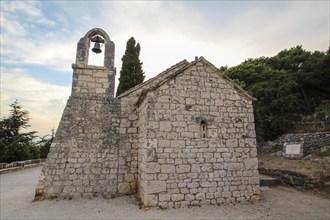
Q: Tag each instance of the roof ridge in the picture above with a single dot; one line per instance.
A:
(181, 63)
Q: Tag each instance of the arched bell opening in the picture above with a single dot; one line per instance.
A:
(96, 51)
(96, 40)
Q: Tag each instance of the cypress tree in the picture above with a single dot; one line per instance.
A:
(131, 73)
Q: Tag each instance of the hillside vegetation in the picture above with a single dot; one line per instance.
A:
(290, 87)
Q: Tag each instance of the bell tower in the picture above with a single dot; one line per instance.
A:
(83, 159)
(94, 81)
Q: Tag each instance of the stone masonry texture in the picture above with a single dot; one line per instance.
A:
(183, 138)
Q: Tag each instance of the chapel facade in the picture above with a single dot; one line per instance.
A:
(185, 137)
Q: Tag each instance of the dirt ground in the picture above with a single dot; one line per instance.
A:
(17, 192)
(317, 168)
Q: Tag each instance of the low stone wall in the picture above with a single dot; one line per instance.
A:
(291, 178)
(311, 141)
(19, 165)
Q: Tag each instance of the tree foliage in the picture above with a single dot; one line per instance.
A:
(16, 145)
(45, 143)
(131, 73)
(287, 86)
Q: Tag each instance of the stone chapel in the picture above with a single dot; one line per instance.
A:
(185, 137)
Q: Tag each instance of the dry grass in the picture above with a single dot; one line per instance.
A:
(316, 169)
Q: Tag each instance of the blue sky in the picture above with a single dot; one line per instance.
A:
(38, 40)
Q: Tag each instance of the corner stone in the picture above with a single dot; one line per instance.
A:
(124, 188)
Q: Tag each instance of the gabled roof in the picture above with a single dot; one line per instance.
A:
(163, 74)
(175, 70)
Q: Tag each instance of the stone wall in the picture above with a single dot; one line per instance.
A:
(133, 131)
(311, 141)
(84, 157)
(92, 81)
(19, 165)
(178, 167)
(292, 178)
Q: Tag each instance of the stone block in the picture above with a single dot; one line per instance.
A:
(205, 184)
(207, 168)
(163, 176)
(236, 194)
(251, 163)
(226, 155)
(99, 90)
(254, 180)
(164, 143)
(150, 155)
(164, 197)
(152, 167)
(151, 143)
(190, 101)
(209, 195)
(193, 128)
(193, 185)
(189, 197)
(232, 143)
(178, 144)
(150, 200)
(167, 168)
(226, 194)
(182, 168)
(195, 168)
(129, 177)
(184, 191)
(165, 126)
(200, 196)
(151, 187)
(177, 197)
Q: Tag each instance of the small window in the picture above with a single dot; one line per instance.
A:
(203, 129)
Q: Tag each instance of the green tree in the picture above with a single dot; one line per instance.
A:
(131, 73)
(278, 105)
(45, 143)
(287, 86)
(14, 144)
(311, 72)
(34, 151)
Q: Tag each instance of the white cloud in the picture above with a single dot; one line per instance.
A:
(44, 101)
(23, 39)
(268, 28)
(30, 8)
(167, 31)
(54, 54)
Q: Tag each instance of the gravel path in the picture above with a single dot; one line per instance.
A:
(17, 193)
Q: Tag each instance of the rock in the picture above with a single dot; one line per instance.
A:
(264, 188)
(324, 149)
(298, 181)
(266, 148)
(308, 157)
(278, 154)
(328, 159)
(317, 160)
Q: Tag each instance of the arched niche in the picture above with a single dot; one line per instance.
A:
(84, 44)
(204, 129)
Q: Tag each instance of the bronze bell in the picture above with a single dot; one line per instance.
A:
(97, 48)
